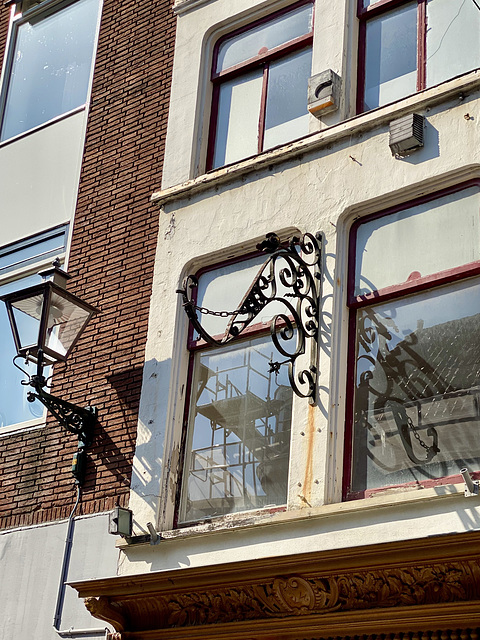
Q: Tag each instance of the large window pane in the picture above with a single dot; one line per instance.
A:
(239, 433)
(238, 117)
(391, 56)
(417, 392)
(286, 114)
(51, 67)
(420, 241)
(264, 37)
(453, 39)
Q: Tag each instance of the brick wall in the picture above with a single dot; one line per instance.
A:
(111, 261)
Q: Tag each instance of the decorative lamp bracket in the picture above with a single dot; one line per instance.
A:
(77, 420)
(291, 276)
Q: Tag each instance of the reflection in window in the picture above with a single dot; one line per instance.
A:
(417, 404)
(260, 87)
(415, 322)
(413, 46)
(239, 439)
(51, 66)
(22, 259)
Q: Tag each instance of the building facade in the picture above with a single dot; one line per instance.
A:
(317, 480)
(337, 508)
(84, 98)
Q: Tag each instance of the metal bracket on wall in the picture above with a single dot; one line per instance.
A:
(290, 276)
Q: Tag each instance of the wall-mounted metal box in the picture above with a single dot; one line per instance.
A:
(406, 134)
(323, 93)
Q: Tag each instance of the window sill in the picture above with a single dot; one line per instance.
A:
(22, 427)
(353, 126)
(250, 519)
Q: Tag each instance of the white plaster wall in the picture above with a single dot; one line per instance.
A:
(39, 176)
(322, 188)
(31, 562)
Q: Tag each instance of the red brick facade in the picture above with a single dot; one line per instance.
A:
(111, 261)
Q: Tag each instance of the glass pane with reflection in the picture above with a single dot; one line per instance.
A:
(238, 441)
(286, 114)
(391, 56)
(238, 117)
(453, 39)
(51, 67)
(14, 407)
(265, 37)
(417, 397)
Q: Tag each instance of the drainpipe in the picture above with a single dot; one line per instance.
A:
(70, 633)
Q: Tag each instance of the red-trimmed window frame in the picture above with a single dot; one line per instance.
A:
(194, 346)
(364, 14)
(403, 290)
(261, 60)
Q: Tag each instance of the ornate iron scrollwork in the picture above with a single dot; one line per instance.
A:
(77, 420)
(290, 276)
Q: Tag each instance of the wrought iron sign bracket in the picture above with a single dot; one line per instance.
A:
(290, 276)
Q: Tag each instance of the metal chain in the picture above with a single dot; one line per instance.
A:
(218, 314)
(416, 434)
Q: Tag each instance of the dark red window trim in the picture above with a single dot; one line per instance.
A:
(262, 60)
(402, 290)
(379, 8)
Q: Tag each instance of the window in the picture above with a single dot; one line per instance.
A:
(260, 79)
(49, 66)
(237, 425)
(409, 46)
(19, 264)
(415, 363)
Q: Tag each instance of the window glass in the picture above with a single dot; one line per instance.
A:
(260, 105)
(38, 248)
(391, 56)
(239, 433)
(229, 284)
(417, 387)
(264, 37)
(51, 67)
(453, 39)
(286, 117)
(449, 227)
(14, 407)
(30, 255)
(237, 126)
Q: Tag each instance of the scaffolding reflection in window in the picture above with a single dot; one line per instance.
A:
(239, 433)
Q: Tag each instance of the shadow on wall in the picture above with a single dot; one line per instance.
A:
(149, 451)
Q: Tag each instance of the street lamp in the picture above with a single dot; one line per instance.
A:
(46, 322)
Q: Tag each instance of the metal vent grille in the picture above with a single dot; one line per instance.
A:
(406, 134)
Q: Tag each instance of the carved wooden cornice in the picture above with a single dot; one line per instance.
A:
(375, 589)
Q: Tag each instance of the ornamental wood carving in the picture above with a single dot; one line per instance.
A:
(295, 596)
(205, 605)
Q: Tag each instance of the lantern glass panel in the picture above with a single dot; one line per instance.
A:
(27, 313)
(65, 321)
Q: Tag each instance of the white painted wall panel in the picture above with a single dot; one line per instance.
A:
(31, 562)
(39, 176)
